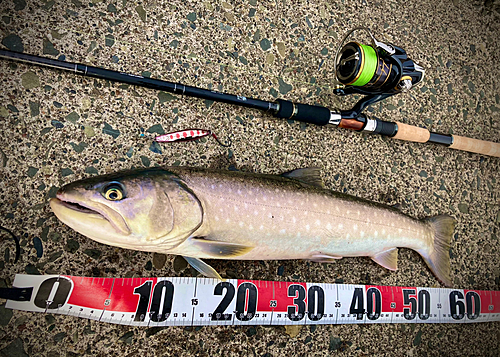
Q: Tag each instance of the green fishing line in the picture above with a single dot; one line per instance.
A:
(369, 66)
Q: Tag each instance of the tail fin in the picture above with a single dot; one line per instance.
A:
(437, 256)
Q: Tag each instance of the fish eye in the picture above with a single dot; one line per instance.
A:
(114, 192)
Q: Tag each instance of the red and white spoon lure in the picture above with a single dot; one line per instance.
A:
(188, 135)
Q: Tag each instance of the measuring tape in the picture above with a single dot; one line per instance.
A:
(180, 301)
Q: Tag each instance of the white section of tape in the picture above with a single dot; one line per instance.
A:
(203, 302)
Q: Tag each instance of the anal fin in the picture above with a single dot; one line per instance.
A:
(388, 259)
(203, 268)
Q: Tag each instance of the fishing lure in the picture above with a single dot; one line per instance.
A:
(188, 135)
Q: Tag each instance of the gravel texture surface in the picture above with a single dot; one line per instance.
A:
(57, 127)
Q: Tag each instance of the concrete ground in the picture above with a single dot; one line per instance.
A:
(57, 127)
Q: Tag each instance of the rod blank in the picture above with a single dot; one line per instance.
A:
(282, 109)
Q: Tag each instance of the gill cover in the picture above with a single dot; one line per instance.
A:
(186, 209)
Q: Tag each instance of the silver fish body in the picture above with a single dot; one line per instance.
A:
(200, 213)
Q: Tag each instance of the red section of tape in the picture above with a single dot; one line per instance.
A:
(90, 292)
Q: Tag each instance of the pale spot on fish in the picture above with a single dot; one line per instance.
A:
(240, 224)
(400, 230)
(308, 227)
(337, 209)
(227, 220)
(375, 234)
(256, 212)
(250, 227)
(246, 205)
(213, 187)
(283, 231)
(294, 220)
(328, 226)
(328, 212)
(362, 233)
(261, 227)
(383, 231)
(299, 235)
(341, 226)
(239, 192)
(216, 218)
(318, 222)
(355, 227)
(358, 213)
(315, 205)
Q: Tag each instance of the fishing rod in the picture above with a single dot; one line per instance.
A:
(378, 71)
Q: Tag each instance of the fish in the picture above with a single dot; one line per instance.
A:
(202, 213)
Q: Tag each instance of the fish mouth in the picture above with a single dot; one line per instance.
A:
(79, 208)
(72, 211)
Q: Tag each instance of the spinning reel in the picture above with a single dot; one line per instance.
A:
(378, 70)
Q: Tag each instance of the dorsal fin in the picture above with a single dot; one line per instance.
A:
(308, 175)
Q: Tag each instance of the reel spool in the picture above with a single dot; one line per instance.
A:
(377, 68)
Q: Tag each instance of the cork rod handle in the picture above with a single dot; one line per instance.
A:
(422, 135)
(412, 133)
(477, 146)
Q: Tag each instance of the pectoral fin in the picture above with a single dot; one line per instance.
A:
(215, 249)
(388, 259)
(203, 268)
(324, 258)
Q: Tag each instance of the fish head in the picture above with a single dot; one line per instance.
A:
(149, 210)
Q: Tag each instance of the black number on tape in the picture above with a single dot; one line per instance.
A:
(60, 296)
(219, 314)
(424, 304)
(409, 313)
(299, 293)
(357, 300)
(373, 296)
(144, 291)
(161, 309)
(315, 303)
(473, 302)
(242, 301)
(457, 307)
